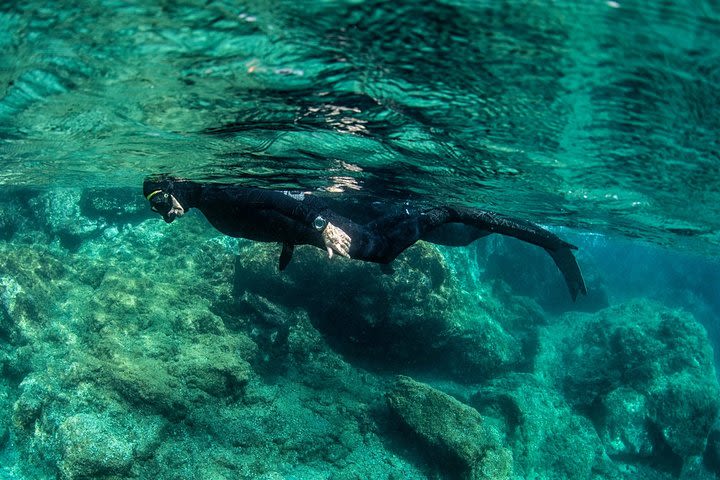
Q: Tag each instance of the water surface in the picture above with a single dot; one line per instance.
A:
(599, 115)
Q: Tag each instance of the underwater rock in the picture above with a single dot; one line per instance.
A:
(5, 406)
(694, 468)
(32, 432)
(11, 213)
(113, 205)
(111, 328)
(19, 219)
(624, 428)
(215, 364)
(269, 326)
(60, 432)
(478, 351)
(315, 365)
(711, 457)
(146, 382)
(547, 439)
(463, 440)
(59, 211)
(415, 319)
(150, 325)
(184, 373)
(684, 406)
(35, 393)
(643, 373)
(91, 447)
(31, 279)
(283, 428)
(9, 291)
(68, 436)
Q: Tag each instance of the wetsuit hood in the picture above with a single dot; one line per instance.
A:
(167, 196)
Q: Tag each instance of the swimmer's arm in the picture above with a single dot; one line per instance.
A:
(282, 203)
(334, 238)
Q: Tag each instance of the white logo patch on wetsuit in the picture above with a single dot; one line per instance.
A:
(299, 196)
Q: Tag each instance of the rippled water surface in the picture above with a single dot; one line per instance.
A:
(601, 115)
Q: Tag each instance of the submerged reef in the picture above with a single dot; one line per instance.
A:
(644, 376)
(134, 349)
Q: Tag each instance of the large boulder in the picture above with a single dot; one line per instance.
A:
(68, 436)
(30, 279)
(412, 320)
(464, 442)
(643, 373)
(96, 445)
(59, 212)
(171, 379)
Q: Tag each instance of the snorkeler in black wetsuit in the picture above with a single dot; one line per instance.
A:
(295, 218)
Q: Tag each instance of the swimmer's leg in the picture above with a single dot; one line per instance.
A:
(398, 232)
(392, 234)
(558, 249)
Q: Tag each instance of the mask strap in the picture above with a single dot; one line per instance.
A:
(152, 194)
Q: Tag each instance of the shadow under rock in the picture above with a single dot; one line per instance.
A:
(417, 320)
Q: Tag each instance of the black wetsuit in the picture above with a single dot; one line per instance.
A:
(289, 217)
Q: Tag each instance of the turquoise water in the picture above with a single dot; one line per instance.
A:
(134, 349)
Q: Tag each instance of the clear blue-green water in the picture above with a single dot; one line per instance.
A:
(134, 349)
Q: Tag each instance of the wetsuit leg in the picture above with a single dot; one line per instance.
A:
(384, 239)
(387, 237)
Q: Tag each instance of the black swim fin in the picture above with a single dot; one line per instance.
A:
(559, 250)
(286, 255)
(568, 266)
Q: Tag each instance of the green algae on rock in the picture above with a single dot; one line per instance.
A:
(625, 429)
(547, 438)
(463, 440)
(643, 373)
(99, 445)
(174, 379)
(147, 350)
(416, 318)
(5, 406)
(115, 338)
(31, 278)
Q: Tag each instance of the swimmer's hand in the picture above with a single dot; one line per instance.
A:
(336, 241)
